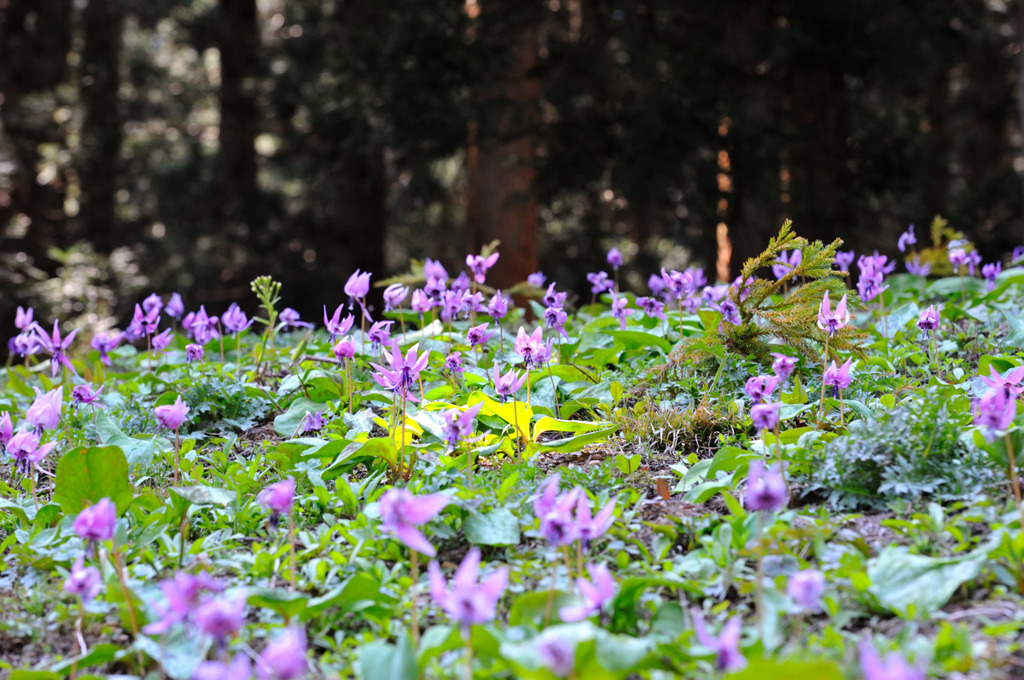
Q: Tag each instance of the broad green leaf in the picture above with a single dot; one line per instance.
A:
(548, 424)
(640, 340)
(86, 475)
(763, 669)
(497, 527)
(380, 660)
(514, 413)
(901, 580)
(287, 424)
(358, 452)
(139, 452)
(285, 602)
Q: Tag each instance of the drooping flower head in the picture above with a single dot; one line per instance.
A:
(453, 363)
(497, 307)
(421, 302)
(23, 318)
(6, 430)
(990, 271)
(555, 319)
(172, 416)
(433, 269)
(994, 412)
(404, 372)
(96, 522)
(284, 657)
(380, 334)
(916, 267)
(507, 385)
(401, 513)
(553, 298)
(394, 296)
(599, 282)
(82, 394)
(765, 416)
(907, 238)
(182, 594)
(929, 319)
(893, 667)
(174, 307)
(593, 594)
(527, 346)
(726, 646)
(44, 413)
(289, 319)
(27, 451)
(458, 425)
(104, 343)
(235, 320)
(82, 580)
(334, 323)
(344, 349)
(783, 366)
(468, 601)
(761, 387)
(615, 258)
(620, 309)
(478, 264)
(589, 528)
(766, 489)
(239, 669)
(357, 287)
(162, 340)
(221, 617)
(838, 378)
(193, 352)
(279, 498)
(478, 335)
(653, 308)
(830, 321)
(807, 588)
(556, 653)
(537, 279)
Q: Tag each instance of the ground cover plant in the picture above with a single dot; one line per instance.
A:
(809, 472)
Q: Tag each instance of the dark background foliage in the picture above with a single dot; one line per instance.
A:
(194, 144)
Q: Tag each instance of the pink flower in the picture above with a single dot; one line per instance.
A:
(830, 321)
(478, 264)
(468, 601)
(83, 581)
(765, 488)
(726, 646)
(284, 658)
(171, 416)
(594, 594)
(401, 512)
(96, 522)
(44, 413)
(278, 497)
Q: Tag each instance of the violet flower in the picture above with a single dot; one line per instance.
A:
(467, 601)
(432, 269)
(929, 319)
(57, 346)
(96, 522)
(478, 264)
(238, 669)
(766, 489)
(394, 296)
(193, 352)
(6, 430)
(290, 319)
(153, 302)
(957, 258)
(761, 387)
(401, 512)
(838, 378)
(589, 528)
(181, 592)
(23, 318)
(380, 334)
(994, 413)
(497, 307)
(478, 335)
(653, 308)
(783, 366)
(279, 498)
(527, 346)
(421, 302)
(221, 617)
(536, 279)
(312, 422)
(83, 581)
(25, 449)
(593, 594)
(335, 325)
(620, 310)
(203, 327)
(915, 267)
(284, 657)
(614, 258)
(174, 307)
(453, 363)
(434, 289)
(990, 272)
(894, 667)
(1009, 382)
(344, 349)
(726, 646)
(357, 288)
(830, 321)
(553, 298)
(461, 283)
(234, 319)
(1018, 253)
(81, 394)
(677, 284)
(907, 238)
(807, 588)
(507, 385)
(555, 319)
(161, 341)
(404, 371)
(787, 262)
(458, 425)
(555, 512)
(765, 416)
(556, 653)
(471, 303)
(171, 416)
(973, 260)
(450, 304)
(730, 312)
(44, 413)
(742, 287)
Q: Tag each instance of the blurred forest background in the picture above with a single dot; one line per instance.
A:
(192, 145)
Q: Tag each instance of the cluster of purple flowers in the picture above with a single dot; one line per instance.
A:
(566, 517)
(995, 411)
(873, 269)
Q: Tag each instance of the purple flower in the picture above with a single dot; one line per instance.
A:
(1018, 253)
(765, 488)
(478, 264)
(830, 321)
(312, 422)
(284, 658)
(404, 371)
(915, 267)
(175, 307)
(783, 365)
(458, 425)
(106, 343)
(83, 581)
(761, 387)
(153, 304)
(594, 594)
(957, 258)
(677, 284)
(471, 303)
(1009, 383)
(279, 498)
(203, 327)
(726, 646)
(334, 324)
(238, 669)
(171, 416)
(556, 653)
(453, 363)
(555, 511)
(929, 319)
(57, 346)
(182, 593)
(555, 319)
(478, 335)
(25, 449)
(345, 348)
(656, 284)
(599, 282)
(742, 287)
(973, 260)
(401, 512)
(193, 352)
(162, 340)
(221, 617)
(655, 309)
(380, 334)
(620, 310)
(807, 588)
(497, 307)
(873, 269)
(907, 238)
(527, 346)
(787, 262)
(290, 319)
(553, 298)
(25, 343)
(6, 430)
(765, 416)
(235, 319)
(23, 318)
(145, 323)
(536, 279)
(44, 413)
(96, 522)
(994, 412)
(507, 385)
(589, 528)
(450, 303)
(893, 668)
(421, 302)
(434, 288)
(358, 286)
(990, 272)
(838, 378)
(432, 269)
(615, 258)
(394, 296)
(81, 394)
(461, 283)
(730, 312)
(468, 601)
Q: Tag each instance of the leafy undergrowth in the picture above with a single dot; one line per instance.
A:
(209, 498)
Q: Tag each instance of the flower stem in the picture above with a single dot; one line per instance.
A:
(515, 420)
(128, 602)
(821, 404)
(469, 654)
(1013, 478)
(291, 548)
(554, 391)
(414, 569)
(759, 584)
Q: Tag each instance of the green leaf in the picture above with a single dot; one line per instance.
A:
(763, 669)
(184, 496)
(901, 580)
(285, 602)
(497, 527)
(139, 452)
(382, 661)
(640, 340)
(86, 475)
(287, 423)
(358, 452)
